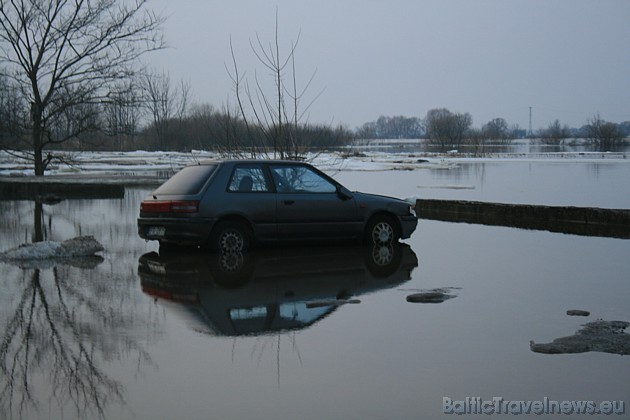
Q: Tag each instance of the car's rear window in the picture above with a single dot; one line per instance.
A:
(188, 181)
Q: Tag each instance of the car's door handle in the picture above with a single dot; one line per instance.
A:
(288, 202)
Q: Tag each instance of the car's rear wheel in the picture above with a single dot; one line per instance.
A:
(232, 269)
(382, 229)
(230, 236)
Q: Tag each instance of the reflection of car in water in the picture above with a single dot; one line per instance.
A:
(270, 290)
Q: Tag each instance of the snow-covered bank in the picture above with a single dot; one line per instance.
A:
(143, 163)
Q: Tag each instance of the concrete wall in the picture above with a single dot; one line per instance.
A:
(575, 220)
(49, 190)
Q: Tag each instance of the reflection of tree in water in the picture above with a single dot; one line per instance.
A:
(64, 324)
(273, 342)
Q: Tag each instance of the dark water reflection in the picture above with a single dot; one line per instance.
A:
(71, 327)
(143, 334)
(270, 291)
(64, 324)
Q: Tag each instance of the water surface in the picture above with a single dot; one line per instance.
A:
(315, 332)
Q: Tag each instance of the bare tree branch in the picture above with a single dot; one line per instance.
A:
(65, 54)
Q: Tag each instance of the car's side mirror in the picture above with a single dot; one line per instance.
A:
(343, 193)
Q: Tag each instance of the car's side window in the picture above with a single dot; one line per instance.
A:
(300, 179)
(248, 179)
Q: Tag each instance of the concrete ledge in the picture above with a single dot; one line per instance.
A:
(588, 221)
(50, 189)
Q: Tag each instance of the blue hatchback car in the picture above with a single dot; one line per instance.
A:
(230, 205)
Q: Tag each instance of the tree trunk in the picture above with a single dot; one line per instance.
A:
(38, 232)
(36, 115)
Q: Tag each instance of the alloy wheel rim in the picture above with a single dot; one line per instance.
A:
(232, 261)
(231, 241)
(382, 232)
(382, 254)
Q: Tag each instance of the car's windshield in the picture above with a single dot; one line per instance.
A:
(188, 181)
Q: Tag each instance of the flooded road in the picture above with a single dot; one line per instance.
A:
(315, 332)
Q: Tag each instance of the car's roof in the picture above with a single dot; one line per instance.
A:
(247, 161)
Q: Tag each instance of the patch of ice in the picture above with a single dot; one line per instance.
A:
(600, 335)
(142, 161)
(76, 247)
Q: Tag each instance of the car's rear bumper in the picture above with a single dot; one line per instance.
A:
(174, 230)
(408, 226)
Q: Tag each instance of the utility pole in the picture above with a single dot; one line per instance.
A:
(529, 132)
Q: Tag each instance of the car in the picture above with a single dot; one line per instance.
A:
(231, 205)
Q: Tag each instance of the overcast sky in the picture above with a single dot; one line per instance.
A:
(567, 59)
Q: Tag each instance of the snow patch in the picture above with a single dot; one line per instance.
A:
(80, 246)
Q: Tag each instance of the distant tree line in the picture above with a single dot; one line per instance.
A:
(71, 79)
(151, 113)
(397, 127)
(446, 130)
(602, 135)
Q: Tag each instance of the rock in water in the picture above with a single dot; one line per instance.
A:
(577, 312)
(432, 296)
(80, 246)
(429, 297)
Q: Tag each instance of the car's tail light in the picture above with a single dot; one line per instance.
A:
(173, 296)
(155, 206)
(169, 206)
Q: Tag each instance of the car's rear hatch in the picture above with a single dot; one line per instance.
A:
(179, 195)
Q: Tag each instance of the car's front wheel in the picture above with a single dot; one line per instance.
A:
(230, 236)
(382, 229)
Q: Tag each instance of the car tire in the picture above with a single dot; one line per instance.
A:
(232, 269)
(167, 247)
(383, 260)
(230, 236)
(382, 229)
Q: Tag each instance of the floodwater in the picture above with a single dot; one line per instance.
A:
(316, 332)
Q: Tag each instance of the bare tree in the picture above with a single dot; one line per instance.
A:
(446, 129)
(476, 139)
(11, 114)
(604, 135)
(555, 133)
(122, 113)
(63, 54)
(397, 127)
(165, 103)
(276, 116)
(497, 130)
